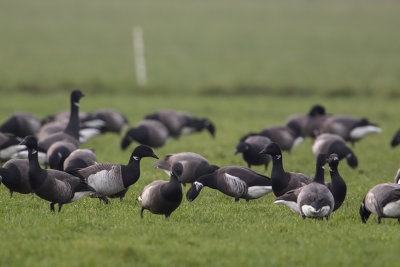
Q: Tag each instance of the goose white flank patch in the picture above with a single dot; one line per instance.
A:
(360, 132)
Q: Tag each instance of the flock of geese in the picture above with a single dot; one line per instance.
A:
(69, 173)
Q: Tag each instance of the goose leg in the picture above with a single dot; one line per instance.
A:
(105, 199)
(379, 219)
(236, 199)
(141, 212)
(11, 193)
(167, 216)
(303, 216)
(52, 206)
(398, 219)
(59, 206)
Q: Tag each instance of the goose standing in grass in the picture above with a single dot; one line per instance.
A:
(383, 200)
(110, 120)
(194, 166)
(58, 152)
(290, 198)
(181, 122)
(71, 132)
(350, 128)
(147, 132)
(235, 181)
(283, 181)
(15, 176)
(333, 143)
(250, 149)
(55, 186)
(111, 178)
(337, 186)
(79, 159)
(21, 124)
(9, 146)
(162, 197)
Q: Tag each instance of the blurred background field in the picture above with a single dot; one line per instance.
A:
(240, 47)
(244, 64)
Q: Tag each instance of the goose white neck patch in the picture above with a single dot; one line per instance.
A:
(135, 157)
(198, 185)
(76, 104)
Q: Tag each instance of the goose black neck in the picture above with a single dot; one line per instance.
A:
(277, 167)
(73, 123)
(319, 175)
(172, 191)
(208, 180)
(130, 173)
(36, 173)
(340, 149)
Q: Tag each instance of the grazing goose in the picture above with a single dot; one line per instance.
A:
(9, 145)
(71, 132)
(21, 124)
(337, 186)
(53, 185)
(58, 152)
(79, 159)
(333, 143)
(235, 181)
(110, 120)
(250, 149)
(290, 198)
(383, 200)
(162, 197)
(181, 123)
(147, 132)
(350, 128)
(15, 176)
(194, 166)
(111, 178)
(283, 181)
(396, 139)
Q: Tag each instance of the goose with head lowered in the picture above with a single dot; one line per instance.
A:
(290, 198)
(15, 176)
(71, 132)
(182, 123)
(283, 181)
(9, 146)
(21, 124)
(147, 132)
(235, 181)
(250, 149)
(110, 178)
(193, 165)
(79, 159)
(58, 152)
(332, 143)
(383, 200)
(162, 197)
(55, 186)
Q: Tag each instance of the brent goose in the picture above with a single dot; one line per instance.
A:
(337, 186)
(79, 159)
(58, 152)
(250, 149)
(21, 124)
(15, 176)
(147, 132)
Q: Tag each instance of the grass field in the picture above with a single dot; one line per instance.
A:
(245, 65)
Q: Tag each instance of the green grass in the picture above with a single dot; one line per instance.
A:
(298, 47)
(212, 230)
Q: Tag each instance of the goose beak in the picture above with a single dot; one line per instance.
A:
(154, 156)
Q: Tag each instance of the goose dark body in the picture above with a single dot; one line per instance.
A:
(383, 200)
(250, 149)
(162, 197)
(55, 186)
(333, 143)
(193, 164)
(110, 178)
(235, 181)
(15, 176)
(9, 145)
(283, 181)
(79, 159)
(21, 124)
(180, 123)
(113, 121)
(148, 132)
(58, 152)
(71, 132)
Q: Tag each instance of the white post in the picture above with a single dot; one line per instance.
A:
(138, 52)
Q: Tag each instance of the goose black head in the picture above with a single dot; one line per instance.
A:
(137, 134)
(272, 149)
(295, 128)
(76, 95)
(333, 160)
(194, 191)
(352, 160)
(143, 151)
(241, 148)
(364, 213)
(209, 126)
(316, 110)
(321, 160)
(177, 170)
(30, 142)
